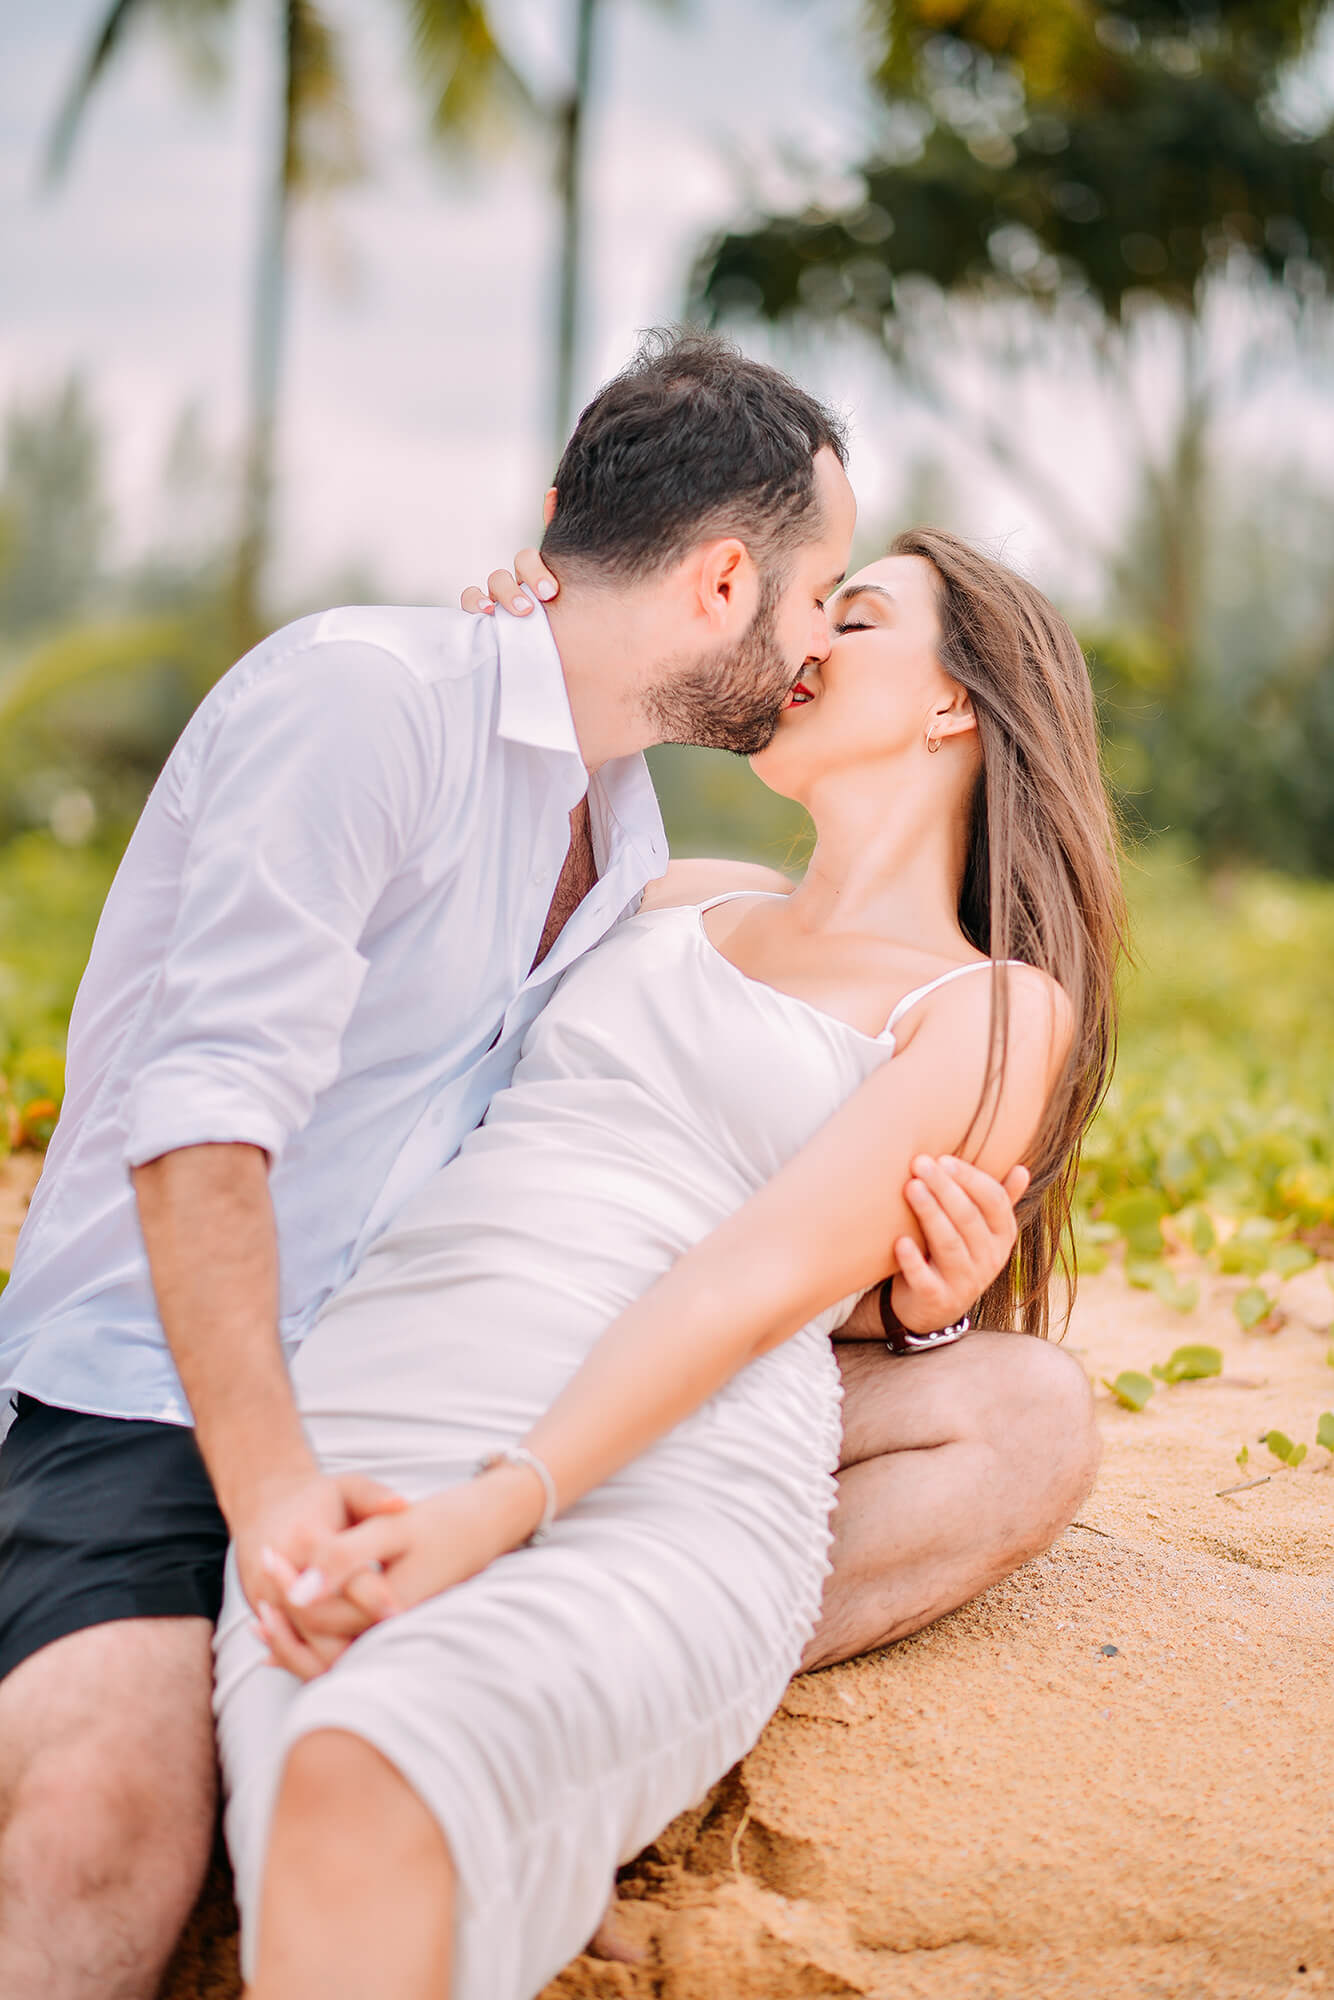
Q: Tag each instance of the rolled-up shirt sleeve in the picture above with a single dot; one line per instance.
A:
(307, 800)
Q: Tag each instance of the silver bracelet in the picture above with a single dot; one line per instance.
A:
(519, 1454)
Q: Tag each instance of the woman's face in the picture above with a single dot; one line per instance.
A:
(881, 690)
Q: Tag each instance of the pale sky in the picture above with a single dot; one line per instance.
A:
(415, 414)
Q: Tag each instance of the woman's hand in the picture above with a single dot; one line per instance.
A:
(410, 1556)
(508, 591)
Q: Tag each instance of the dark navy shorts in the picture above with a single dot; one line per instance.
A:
(101, 1518)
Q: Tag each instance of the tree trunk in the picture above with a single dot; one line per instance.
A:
(569, 186)
(268, 311)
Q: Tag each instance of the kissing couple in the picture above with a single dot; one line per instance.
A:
(513, 1283)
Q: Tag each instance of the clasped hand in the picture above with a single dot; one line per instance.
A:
(309, 1613)
(324, 1564)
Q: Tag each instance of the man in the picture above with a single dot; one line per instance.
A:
(378, 844)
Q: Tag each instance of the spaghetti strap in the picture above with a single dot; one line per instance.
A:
(733, 895)
(921, 992)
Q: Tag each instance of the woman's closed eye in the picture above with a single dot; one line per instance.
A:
(852, 625)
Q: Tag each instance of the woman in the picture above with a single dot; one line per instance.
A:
(626, 1279)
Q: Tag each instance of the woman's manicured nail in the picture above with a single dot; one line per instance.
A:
(308, 1586)
(487, 604)
(522, 606)
(546, 588)
(271, 1563)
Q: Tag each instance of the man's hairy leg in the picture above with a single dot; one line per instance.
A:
(957, 1466)
(107, 1800)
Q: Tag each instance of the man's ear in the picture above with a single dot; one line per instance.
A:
(549, 507)
(726, 581)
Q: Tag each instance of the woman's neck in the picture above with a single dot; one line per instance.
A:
(888, 870)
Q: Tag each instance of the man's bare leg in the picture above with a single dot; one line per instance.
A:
(107, 1800)
(958, 1465)
(358, 1887)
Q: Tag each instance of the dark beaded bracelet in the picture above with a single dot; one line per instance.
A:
(900, 1339)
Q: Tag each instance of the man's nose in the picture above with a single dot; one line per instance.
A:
(822, 637)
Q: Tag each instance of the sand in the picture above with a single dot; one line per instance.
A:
(1111, 1776)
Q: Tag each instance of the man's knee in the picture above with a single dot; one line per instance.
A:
(106, 1769)
(1038, 1416)
(85, 1826)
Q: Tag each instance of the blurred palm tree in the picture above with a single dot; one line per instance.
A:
(461, 71)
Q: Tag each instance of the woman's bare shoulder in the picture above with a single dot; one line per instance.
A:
(696, 881)
(1041, 1019)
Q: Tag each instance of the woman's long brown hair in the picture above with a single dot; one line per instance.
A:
(1041, 881)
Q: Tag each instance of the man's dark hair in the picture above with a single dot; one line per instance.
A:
(690, 442)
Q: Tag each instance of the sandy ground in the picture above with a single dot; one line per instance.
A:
(1110, 1777)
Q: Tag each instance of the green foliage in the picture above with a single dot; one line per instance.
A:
(1244, 1456)
(1189, 1364)
(1053, 150)
(1251, 1306)
(1283, 1448)
(1324, 1430)
(50, 898)
(1131, 1390)
(1217, 1137)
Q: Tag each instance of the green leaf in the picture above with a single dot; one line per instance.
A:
(1284, 1449)
(1138, 1217)
(1142, 1274)
(1252, 1305)
(4, 1280)
(1324, 1430)
(1290, 1258)
(1190, 1364)
(1203, 1235)
(1131, 1391)
(1244, 1455)
(1182, 1294)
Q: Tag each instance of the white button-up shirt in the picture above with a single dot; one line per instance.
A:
(318, 942)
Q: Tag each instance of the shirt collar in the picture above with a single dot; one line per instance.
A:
(622, 790)
(534, 706)
(535, 709)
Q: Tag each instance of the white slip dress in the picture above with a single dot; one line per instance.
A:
(556, 1711)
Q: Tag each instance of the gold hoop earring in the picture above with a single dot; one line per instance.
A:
(932, 744)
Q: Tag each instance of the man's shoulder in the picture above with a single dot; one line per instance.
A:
(432, 642)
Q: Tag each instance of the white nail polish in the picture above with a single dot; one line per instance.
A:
(546, 590)
(308, 1586)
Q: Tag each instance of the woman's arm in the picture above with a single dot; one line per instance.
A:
(822, 1228)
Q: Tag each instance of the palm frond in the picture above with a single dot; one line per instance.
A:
(460, 67)
(324, 148)
(100, 650)
(105, 44)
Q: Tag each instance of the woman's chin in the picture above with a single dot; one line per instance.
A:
(779, 770)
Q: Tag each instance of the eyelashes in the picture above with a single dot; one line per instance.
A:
(852, 625)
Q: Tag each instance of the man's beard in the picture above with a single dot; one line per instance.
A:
(732, 700)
